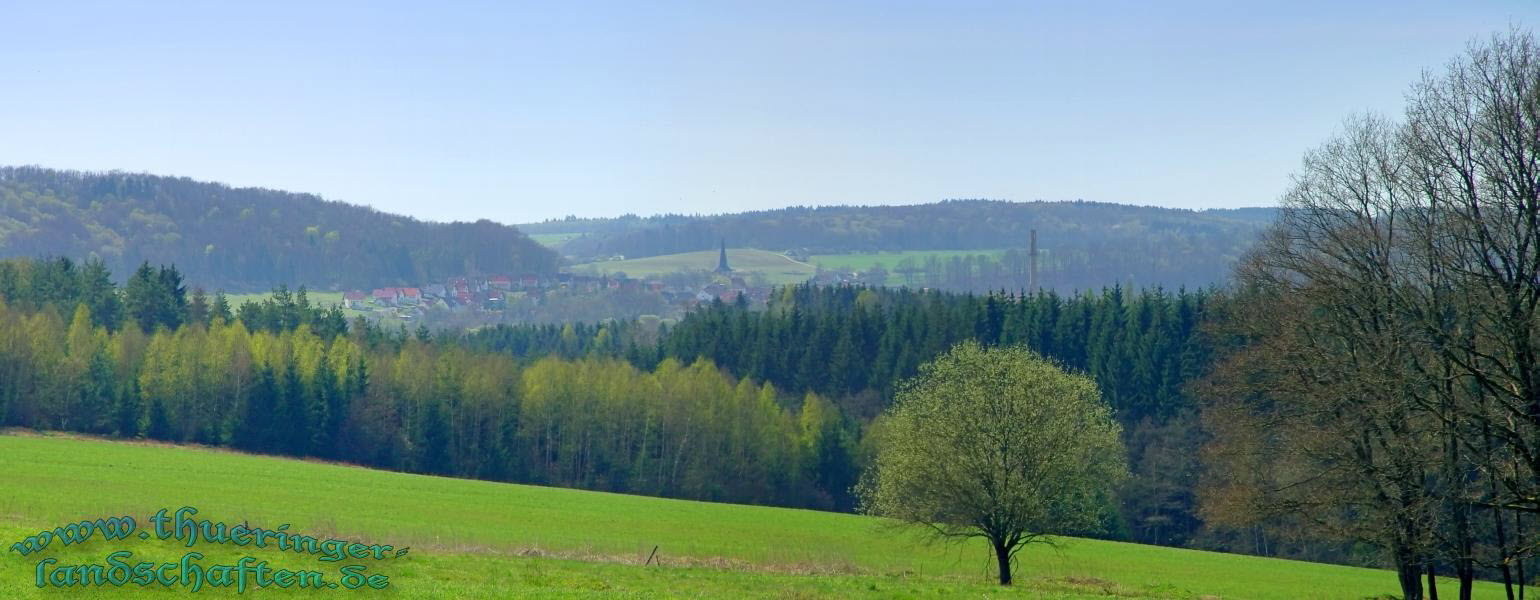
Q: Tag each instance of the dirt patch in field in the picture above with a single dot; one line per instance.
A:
(1092, 585)
(661, 559)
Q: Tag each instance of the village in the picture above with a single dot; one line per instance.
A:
(550, 297)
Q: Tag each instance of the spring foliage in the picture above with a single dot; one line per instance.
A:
(997, 443)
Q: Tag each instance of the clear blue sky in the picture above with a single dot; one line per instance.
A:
(520, 112)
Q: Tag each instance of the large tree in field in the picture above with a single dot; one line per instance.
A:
(1000, 444)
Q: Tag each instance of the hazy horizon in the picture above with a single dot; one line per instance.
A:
(521, 114)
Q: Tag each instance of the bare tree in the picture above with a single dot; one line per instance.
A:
(1318, 413)
(1406, 269)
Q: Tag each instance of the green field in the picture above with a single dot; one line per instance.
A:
(552, 240)
(316, 298)
(860, 261)
(774, 266)
(322, 299)
(473, 539)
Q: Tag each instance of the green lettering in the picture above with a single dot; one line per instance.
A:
(62, 577)
(311, 579)
(219, 576)
(213, 532)
(117, 573)
(244, 567)
(40, 564)
(192, 571)
(240, 535)
(162, 578)
(352, 577)
(160, 519)
(333, 550)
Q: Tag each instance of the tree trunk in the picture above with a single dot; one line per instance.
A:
(1410, 575)
(1518, 542)
(1432, 584)
(1003, 555)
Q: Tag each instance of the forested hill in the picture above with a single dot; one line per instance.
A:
(244, 239)
(1085, 245)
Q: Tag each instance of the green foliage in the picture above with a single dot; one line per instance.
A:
(155, 298)
(60, 282)
(1088, 245)
(996, 443)
(299, 382)
(847, 346)
(471, 539)
(244, 238)
(852, 343)
(776, 268)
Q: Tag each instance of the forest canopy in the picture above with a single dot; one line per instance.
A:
(1085, 245)
(245, 239)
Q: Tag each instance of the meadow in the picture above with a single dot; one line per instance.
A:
(475, 539)
(324, 300)
(553, 240)
(776, 267)
(317, 298)
(860, 261)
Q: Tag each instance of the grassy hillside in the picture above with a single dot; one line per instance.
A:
(774, 266)
(553, 240)
(1089, 244)
(479, 539)
(860, 261)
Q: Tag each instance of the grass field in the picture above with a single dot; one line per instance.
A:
(775, 266)
(472, 539)
(325, 300)
(888, 260)
(552, 240)
(316, 298)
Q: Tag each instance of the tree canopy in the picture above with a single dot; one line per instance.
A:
(997, 443)
(245, 239)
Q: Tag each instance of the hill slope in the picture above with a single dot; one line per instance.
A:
(777, 268)
(1085, 244)
(244, 239)
(472, 538)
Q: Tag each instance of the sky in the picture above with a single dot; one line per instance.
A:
(519, 112)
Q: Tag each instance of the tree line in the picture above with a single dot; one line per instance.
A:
(245, 239)
(1065, 271)
(853, 345)
(832, 352)
(1086, 245)
(399, 401)
(1380, 383)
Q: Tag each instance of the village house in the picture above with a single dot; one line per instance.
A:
(385, 296)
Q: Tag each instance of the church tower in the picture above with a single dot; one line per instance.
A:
(722, 259)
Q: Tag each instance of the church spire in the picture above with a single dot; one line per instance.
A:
(722, 259)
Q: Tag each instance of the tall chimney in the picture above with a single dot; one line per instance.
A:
(1032, 265)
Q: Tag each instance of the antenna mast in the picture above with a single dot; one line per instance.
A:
(1032, 265)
